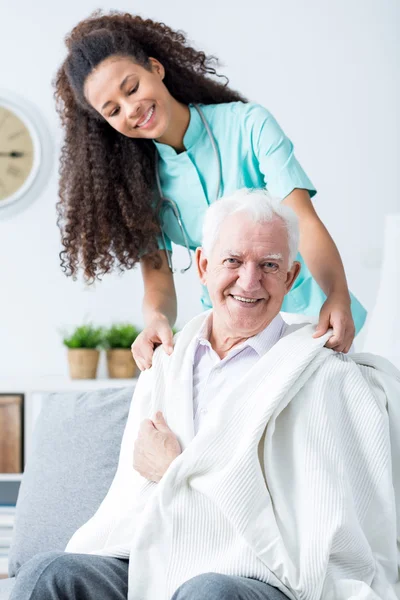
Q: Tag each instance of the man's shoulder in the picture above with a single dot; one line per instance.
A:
(355, 369)
(191, 329)
(298, 319)
(181, 340)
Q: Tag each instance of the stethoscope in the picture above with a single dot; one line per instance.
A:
(170, 204)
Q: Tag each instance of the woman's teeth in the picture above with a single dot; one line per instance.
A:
(250, 300)
(147, 119)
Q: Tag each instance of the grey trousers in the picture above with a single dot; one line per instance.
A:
(67, 576)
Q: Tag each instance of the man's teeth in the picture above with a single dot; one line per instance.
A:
(147, 119)
(251, 300)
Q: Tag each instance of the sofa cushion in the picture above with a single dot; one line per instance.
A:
(75, 451)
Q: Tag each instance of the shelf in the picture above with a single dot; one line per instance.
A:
(57, 384)
(11, 477)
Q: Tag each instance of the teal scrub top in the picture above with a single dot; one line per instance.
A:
(254, 153)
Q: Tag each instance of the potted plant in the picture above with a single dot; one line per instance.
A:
(118, 340)
(83, 353)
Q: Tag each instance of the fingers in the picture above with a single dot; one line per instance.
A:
(347, 348)
(167, 341)
(165, 336)
(143, 347)
(336, 314)
(142, 352)
(159, 418)
(342, 338)
(334, 344)
(338, 338)
(343, 328)
(146, 427)
(160, 423)
(323, 325)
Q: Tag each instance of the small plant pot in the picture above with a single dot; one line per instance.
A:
(120, 363)
(83, 363)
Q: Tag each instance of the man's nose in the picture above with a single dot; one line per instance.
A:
(249, 278)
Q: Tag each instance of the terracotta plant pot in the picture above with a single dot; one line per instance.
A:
(120, 363)
(83, 363)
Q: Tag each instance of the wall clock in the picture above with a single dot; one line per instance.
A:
(22, 136)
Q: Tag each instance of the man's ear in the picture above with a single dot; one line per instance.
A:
(291, 275)
(201, 264)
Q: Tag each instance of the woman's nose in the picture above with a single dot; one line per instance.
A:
(132, 110)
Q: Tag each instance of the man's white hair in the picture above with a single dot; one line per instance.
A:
(260, 207)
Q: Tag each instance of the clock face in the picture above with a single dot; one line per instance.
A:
(18, 149)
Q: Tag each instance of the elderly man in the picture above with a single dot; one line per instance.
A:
(261, 460)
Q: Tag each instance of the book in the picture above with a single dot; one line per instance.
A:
(11, 411)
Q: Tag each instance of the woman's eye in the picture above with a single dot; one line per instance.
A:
(133, 90)
(114, 113)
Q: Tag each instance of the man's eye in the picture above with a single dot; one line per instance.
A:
(270, 266)
(232, 261)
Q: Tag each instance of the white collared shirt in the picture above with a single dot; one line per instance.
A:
(211, 373)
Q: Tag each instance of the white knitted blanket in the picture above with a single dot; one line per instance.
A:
(290, 481)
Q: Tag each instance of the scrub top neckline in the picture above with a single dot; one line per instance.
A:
(192, 136)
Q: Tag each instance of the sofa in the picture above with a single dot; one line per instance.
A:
(74, 457)
(75, 450)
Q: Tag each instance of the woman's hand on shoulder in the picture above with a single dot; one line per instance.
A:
(157, 333)
(336, 314)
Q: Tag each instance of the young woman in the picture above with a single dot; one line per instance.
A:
(152, 137)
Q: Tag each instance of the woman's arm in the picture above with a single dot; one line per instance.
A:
(285, 178)
(159, 311)
(159, 290)
(323, 259)
(317, 247)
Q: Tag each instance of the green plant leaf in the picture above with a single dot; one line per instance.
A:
(120, 335)
(84, 336)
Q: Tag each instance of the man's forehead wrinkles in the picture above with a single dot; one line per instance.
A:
(245, 254)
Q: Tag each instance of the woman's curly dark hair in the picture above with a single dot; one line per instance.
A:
(106, 212)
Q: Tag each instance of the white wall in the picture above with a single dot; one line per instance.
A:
(329, 71)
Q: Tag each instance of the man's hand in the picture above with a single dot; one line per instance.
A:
(155, 448)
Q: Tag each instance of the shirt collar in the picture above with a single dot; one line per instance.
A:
(268, 337)
(193, 134)
(261, 343)
(203, 335)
